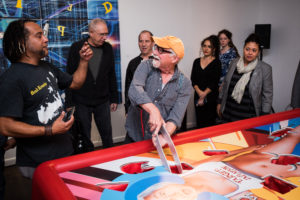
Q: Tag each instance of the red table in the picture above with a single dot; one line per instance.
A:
(48, 184)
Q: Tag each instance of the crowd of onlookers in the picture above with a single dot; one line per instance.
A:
(238, 87)
(227, 86)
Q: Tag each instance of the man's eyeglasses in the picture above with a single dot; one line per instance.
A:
(161, 50)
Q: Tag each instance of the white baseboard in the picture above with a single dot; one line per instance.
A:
(98, 143)
(10, 161)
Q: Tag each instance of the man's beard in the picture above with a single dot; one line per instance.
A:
(43, 53)
(156, 62)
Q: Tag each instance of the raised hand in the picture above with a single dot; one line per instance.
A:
(86, 52)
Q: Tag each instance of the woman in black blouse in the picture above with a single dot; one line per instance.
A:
(205, 77)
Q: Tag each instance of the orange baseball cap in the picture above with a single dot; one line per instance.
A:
(171, 42)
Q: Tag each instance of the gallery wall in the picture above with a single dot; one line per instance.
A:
(193, 20)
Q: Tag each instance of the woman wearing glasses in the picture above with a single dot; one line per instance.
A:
(205, 76)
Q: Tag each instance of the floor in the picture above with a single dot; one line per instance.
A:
(17, 187)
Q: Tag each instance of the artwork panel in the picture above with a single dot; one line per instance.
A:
(20, 9)
(107, 10)
(119, 80)
(79, 9)
(61, 9)
(61, 35)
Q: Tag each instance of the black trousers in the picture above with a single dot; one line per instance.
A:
(102, 119)
(206, 115)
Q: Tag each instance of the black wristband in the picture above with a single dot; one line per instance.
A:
(48, 130)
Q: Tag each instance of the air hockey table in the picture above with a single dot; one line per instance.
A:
(134, 171)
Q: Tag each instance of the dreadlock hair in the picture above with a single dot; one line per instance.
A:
(14, 40)
(215, 44)
(230, 43)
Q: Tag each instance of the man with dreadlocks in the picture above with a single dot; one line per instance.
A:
(31, 109)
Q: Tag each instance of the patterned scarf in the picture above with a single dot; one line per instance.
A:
(239, 89)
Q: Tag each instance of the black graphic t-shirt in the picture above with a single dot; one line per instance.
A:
(30, 94)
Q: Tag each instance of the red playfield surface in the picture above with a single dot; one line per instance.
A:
(132, 171)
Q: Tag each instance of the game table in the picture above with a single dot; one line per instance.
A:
(130, 171)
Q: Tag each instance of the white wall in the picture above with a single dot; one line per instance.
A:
(193, 20)
(284, 53)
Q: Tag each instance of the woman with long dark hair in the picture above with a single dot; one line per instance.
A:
(205, 77)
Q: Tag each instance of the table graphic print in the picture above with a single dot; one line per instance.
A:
(257, 158)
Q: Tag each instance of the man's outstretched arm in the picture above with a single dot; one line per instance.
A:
(13, 128)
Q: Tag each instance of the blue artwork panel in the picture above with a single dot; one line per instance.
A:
(103, 9)
(4, 63)
(61, 35)
(79, 9)
(20, 8)
(114, 40)
(61, 9)
(119, 81)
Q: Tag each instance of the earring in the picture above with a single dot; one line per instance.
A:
(21, 48)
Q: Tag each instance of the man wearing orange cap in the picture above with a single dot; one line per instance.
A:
(159, 92)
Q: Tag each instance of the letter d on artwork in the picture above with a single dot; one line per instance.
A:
(70, 7)
(107, 9)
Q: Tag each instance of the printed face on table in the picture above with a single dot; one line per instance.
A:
(145, 43)
(251, 52)
(223, 40)
(173, 192)
(36, 42)
(98, 34)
